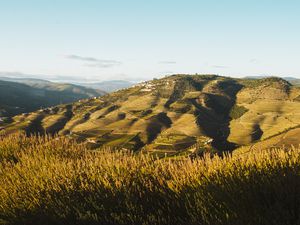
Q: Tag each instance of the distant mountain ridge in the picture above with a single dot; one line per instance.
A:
(292, 80)
(19, 95)
(24, 80)
(106, 86)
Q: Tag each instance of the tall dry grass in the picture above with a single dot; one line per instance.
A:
(49, 181)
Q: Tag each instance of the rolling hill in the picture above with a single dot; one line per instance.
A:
(178, 115)
(27, 95)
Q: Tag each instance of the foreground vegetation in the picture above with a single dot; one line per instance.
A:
(47, 180)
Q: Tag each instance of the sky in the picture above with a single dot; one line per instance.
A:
(91, 40)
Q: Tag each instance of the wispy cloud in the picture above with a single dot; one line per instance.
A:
(81, 58)
(167, 62)
(94, 62)
(11, 74)
(220, 66)
(254, 61)
(104, 63)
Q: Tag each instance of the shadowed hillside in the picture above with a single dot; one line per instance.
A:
(176, 115)
(27, 95)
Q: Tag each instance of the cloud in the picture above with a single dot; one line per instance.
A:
(104, 64)
(167, 62)
(94, 62)
(220, 67)
(254, 61)
(12, 74)
(81, 58)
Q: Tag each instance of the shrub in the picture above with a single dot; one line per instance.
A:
(237, 111)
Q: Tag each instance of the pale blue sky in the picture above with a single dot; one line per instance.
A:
(101, 40)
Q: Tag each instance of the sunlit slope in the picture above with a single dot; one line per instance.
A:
(180, 114)
(271, 108)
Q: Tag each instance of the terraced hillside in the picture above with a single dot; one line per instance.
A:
(176, 115)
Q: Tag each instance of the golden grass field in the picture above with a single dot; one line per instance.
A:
(53, 181)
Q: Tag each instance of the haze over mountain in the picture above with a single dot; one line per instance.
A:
(293, 80)
(176, 114)
(27, 95)
(109, 86)
(33, 80)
